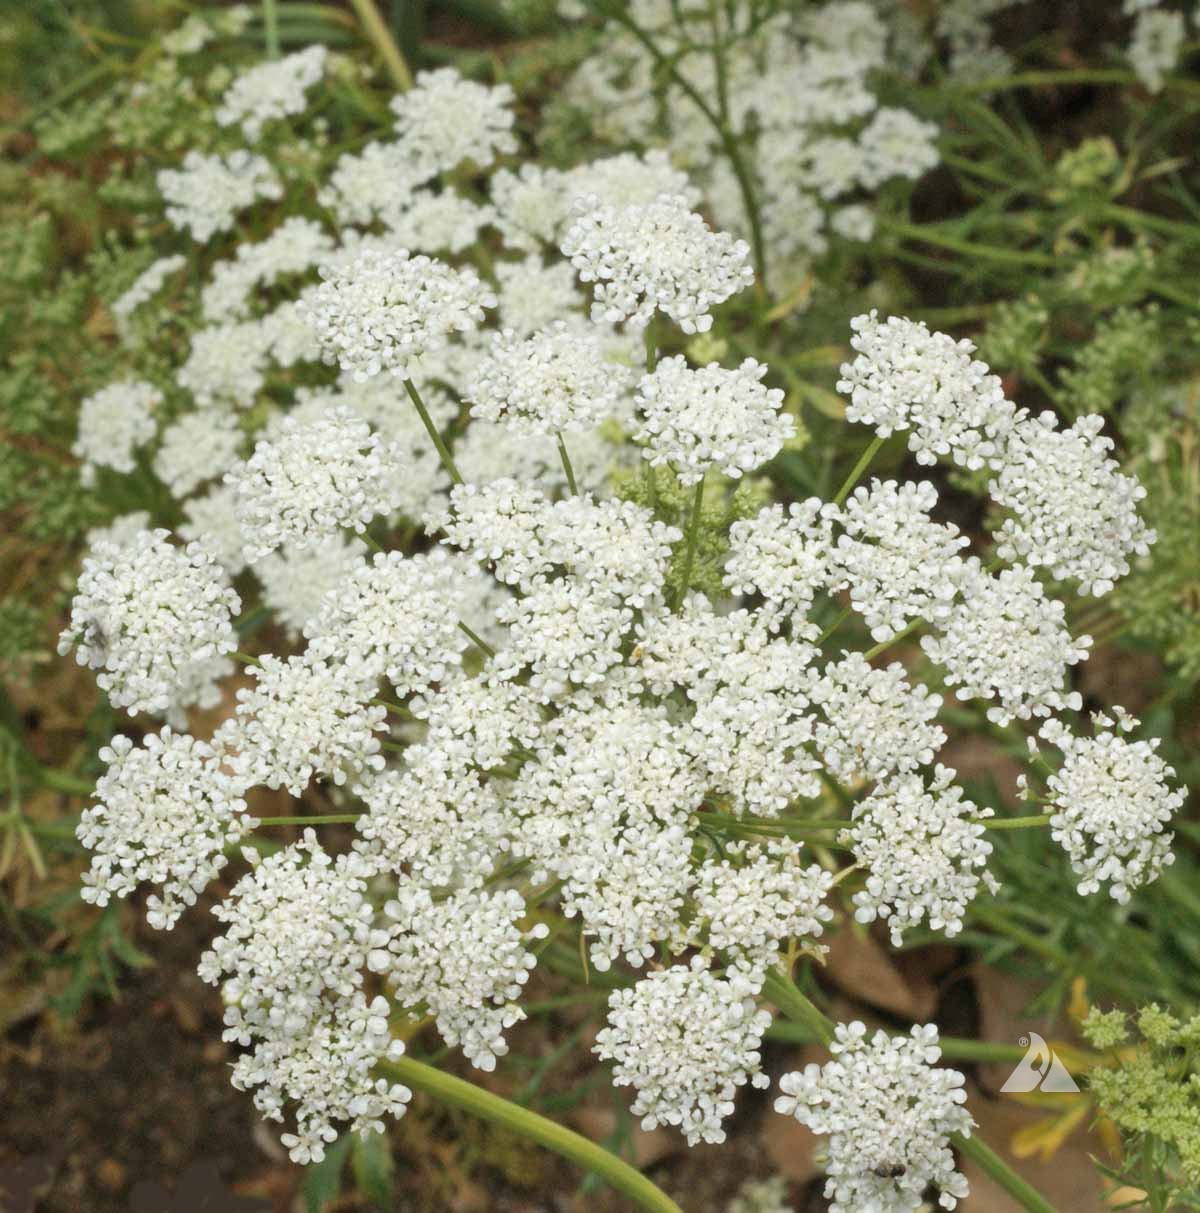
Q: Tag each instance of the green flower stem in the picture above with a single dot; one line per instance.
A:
(1013, 823)
(64, 781)
(617, 10)
(1039, 79)
(566, 462)
(819, 1027)
(478, 641)
(431, 430)
(270, 13)
(328, 819)
(525, 1123)
(245, 658)
(833, 627)
(782, 991)
(693, 533)
(378, 34)
(930, 235)
(992, 1165)
(726, 824)
(887, 644)
(650, 340)
(864, 461)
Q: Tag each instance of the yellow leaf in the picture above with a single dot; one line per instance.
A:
(1046, 1136)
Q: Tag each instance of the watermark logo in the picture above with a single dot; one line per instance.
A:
(1039, 1070)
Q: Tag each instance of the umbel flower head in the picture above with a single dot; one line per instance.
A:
(1109, 800)
(695, 420)
(271, 90)
(384, 310)
(888, 1111)
(685, 1040)
(167, 811)
(311, 481)
(155, 620)
(657, 256)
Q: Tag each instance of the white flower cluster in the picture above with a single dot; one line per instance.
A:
(296, 245)
(166, 813)
(397, 617)
(757, 897)
(875, 723)
(1004, 639)
(685, 1039)
(1072, 511)
(113, 423)
(199, 446)
(696, 420)
(899, 563)
(464, 958)
(304, 716)
(384, 311)
(907, 378)
(660, 256)
(155, 620)
(205, 195)
(555, 381)
(299, 929)
(888, 1111)
(921, 851)
(271, 90)
(798, 99)
(311, 481)
(147, 284)
(1110, 800)
(1157, 42)
(295, 581)
(445, 120)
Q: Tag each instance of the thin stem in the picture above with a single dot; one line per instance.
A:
(833, 627)
(782, 991)
(479, 642)
(769, 825)
(864, 461)
(954, 244)
(988, 1161)
(431, 430)
(246, 658)
(693, 531)
(1013, 823)
(64, 781)
(887, 644)
(270, 11)
(378, 34)
(650, 340)
(566, 462)
(328, 819)
(729, 141)
(528, 1124)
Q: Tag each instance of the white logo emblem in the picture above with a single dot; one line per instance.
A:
(1039, 1069)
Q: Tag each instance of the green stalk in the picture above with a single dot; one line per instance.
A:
(693, 531)
(729, 141)
(650, 339)
(64, 781)
(971, 248)
(477, 641)
(1013, 823)
(530, 1125)
(992, 1165)
(270, 12)
(431, 430)
(378, 34)
(781, 990)
(857, 470)
(566, 462)
(887, 644)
